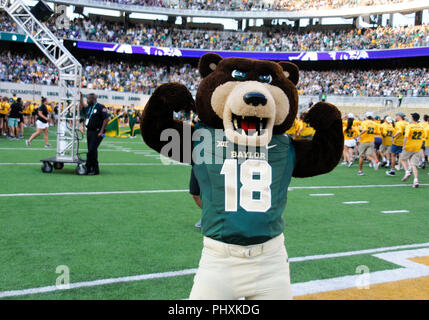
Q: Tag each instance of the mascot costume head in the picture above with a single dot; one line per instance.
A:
(252, 103)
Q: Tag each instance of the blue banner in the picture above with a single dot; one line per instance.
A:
(291, 56)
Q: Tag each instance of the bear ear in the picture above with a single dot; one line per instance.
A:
(208, 63)
(291, 71)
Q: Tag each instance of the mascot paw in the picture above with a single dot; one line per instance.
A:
(322, 115)
(174, 96)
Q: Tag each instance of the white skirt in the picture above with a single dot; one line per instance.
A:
(351, 143)
(41, 125)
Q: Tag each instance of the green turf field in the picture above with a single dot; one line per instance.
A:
(104, 236)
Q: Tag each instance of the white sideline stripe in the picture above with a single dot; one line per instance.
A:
(94, 283)
(396, 211)
(321, 194)
(13, 293)
(355, 202)
(86, 193)
(356, 186)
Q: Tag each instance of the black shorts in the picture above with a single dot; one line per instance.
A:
(2, 116)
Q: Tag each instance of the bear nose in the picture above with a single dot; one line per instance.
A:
(255, 99)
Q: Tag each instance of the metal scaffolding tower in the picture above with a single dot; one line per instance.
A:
(70, 74)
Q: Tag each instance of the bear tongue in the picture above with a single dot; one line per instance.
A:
(248, 125)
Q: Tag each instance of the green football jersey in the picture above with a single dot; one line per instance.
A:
(243, 190)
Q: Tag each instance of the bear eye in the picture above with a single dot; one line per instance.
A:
(266, 78)
(238, 75)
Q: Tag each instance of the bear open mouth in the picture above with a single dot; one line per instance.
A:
(249, 125)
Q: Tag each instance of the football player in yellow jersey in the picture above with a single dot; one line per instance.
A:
(386, 131)
(305, 131)
(366, 138)
(350, 133)
(413, 141)
(398, 140)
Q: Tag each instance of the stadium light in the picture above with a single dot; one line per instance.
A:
(42, 11)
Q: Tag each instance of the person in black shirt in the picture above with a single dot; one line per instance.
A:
(14, 116)
(96, 119)
(42, 124)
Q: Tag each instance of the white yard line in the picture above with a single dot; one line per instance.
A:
(355, 202)
(396, 211)
(166, 191)
(321, 194)
(94, 283)
(88, 193)
(298, 288)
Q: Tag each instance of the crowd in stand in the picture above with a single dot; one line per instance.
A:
(23, 69)
(356, 39)
(275, 40)
(267, 5)
(410, 82)
(131, 77)
(144, 78)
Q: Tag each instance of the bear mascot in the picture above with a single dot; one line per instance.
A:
(243, 162)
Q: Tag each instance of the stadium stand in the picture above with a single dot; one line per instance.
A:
(129, 77)
(279, 39)
(239, 5)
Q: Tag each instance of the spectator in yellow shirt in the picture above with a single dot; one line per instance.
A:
(366, 147)
(293, 129)
(377, 138)
(398, 140)
(4, 111)
(305, 131)
(350, 133)
(387, 131)
(413, 142)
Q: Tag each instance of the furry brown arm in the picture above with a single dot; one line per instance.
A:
(322, 153)
(158, 116)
